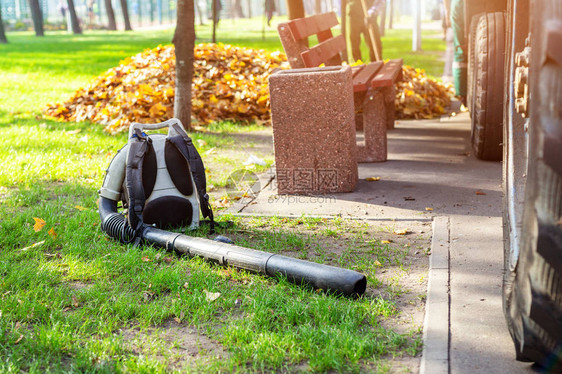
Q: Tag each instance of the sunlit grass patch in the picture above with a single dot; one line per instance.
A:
(71, 299)
(75, 297)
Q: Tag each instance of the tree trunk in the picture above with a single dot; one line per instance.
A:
(391, 15)
(125, 10)
(215, 14)
(139, 12)
(3, 39)
(295, 9)
(159, 10)
(383, 20)
(73, 18)
(343, 27)
(37, 17)
(184, 42)
(416, 34)
(111, 24)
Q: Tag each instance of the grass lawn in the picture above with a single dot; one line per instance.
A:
(79, 302)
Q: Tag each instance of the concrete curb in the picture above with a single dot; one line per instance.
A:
(330, 216)
(436, 327)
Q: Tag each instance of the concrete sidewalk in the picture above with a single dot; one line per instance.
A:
(431, 173)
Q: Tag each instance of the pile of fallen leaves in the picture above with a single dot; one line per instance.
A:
(228, 83)
(418, 96)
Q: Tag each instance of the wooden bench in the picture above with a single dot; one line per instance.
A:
(373, 83)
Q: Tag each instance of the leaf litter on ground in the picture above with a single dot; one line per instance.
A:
(229, 83)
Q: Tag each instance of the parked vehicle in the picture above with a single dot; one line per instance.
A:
(515, 102)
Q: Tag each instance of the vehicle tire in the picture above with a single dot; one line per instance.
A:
(487, 92)
(533, 213)
(471, 65)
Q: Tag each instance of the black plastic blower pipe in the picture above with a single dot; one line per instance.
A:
(329, 278)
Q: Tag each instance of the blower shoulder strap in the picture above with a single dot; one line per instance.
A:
(183, 143)
(139, 145)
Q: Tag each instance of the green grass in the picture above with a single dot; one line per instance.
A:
(70, 302)
(398, 44)
(79, 302)
(35, 71)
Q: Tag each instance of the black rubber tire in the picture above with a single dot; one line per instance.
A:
(471, 64)
(514, 172)
(533, 287)
(488, 90)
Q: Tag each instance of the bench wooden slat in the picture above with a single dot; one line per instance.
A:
(356, 69)
(302, 28)
(326, 21)
(323, 52)
(390, 73)
(362, 79)
(324, 35)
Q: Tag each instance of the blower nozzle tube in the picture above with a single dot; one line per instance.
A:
(329, 278)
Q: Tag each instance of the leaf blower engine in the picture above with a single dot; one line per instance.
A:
(161, 181)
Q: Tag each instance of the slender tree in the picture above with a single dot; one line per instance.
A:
(295, 9)
(37, 17)
(382, 24)
(391, 14)
(215, 13)
(125, 10)
(3, 39)
(184, 42)
(111, 24)
(75, 25)
(139, 11)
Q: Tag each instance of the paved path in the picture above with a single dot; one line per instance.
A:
(431, 166)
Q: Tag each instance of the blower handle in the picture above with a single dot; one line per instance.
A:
(153, 126)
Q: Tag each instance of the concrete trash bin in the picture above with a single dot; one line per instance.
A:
(314, 130)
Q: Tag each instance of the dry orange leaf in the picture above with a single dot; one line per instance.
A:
(81, 208)
(429, 209)
(401, 232)
(53, 233)
(39, 224)
(386, 241)
(373, 179)
(480, 193)
(418, 96)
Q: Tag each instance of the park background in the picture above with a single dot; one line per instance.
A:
(17, 16)
(72, 300)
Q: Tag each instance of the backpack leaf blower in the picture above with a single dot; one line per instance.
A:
(161, 182)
